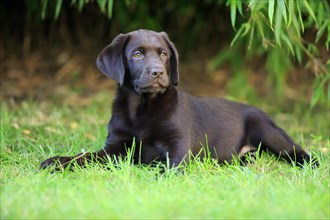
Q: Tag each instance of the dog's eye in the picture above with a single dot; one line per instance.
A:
(163, 55)
(137, 55)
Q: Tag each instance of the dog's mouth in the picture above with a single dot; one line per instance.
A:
(156, 86)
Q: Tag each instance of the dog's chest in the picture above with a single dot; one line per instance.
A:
(146, 120)
(151, 143)
(134, 103)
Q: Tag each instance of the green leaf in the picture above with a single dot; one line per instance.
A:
(44, 4)
(321, 85)
(282, 7)
(252, 4)
(298, 54)
(310, 11)
(290, 12)
(237, 35)
(247, 27)
(271, 5)
(317, 93)
(296, 27)
(239, 6)
(101, 4)
(300, 17)
(110, 7)
(320, 11)
(81, 5)
(327, 42)
(233, 13)
(288, 42)
(312, 49)
(58, 8)
(278, 24)
(260, 26)
(321, 30)
(251, 38)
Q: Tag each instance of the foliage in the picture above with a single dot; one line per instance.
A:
(104, 5)
(272, 23)
(278, 26)
(281, 23)
(321, 89)
(278, 35)
(264, 189)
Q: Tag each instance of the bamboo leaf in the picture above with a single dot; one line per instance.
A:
(298, 54)
(102, 4)
(81, 5)
(110, 7)
(300, 17)
(239, 6)
(290, 12)
(260, 26)
(296, 27)
(271, 5)
(44, 4)
(312, 49)
(327, 42)
(317, 93)
(322, 30)
(310, 11)
(247, 27)
(282, 7)
(320, 11)
(278, 24)
(251, 38)
(58, 8)
(233, 13)
(288, 43)
(237, 35)
(321, 89)
(252, 4)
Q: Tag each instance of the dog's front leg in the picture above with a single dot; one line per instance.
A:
(177, 156)
(61, 163)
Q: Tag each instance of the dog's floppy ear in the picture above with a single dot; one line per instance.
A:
(174, 62)
(111, 60)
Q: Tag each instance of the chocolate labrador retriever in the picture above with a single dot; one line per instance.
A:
(171, 124)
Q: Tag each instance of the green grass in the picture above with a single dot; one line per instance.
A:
(268, 188)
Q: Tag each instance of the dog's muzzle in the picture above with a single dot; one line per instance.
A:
(154, 86)
(153, 80)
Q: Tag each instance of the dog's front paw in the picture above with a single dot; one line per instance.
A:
(57, 163)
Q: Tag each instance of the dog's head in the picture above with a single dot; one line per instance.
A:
(143, 61)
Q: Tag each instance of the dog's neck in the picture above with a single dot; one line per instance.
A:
(146, 104)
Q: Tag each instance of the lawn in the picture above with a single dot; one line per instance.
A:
(265, 189)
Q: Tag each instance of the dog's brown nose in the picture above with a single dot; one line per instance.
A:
(156, 72)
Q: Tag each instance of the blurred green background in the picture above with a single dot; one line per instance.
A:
(245, 50)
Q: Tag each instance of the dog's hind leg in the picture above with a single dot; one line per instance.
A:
(261, 130)
(247, 154)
